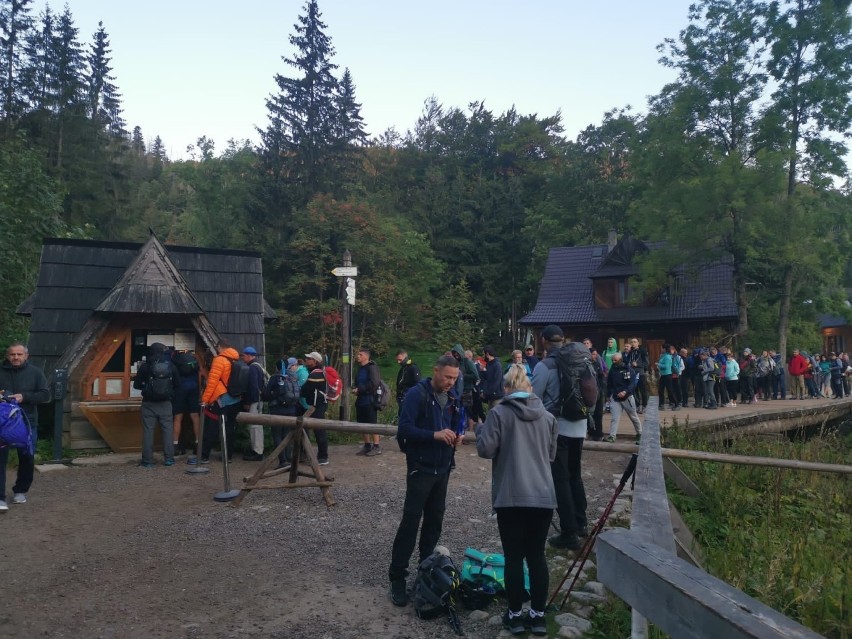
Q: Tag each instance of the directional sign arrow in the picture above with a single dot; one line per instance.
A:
(345, 271)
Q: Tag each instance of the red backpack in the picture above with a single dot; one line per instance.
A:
(333, 384)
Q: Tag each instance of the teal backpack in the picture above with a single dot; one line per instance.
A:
(487, 570)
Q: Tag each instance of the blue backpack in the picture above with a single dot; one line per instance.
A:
(14, 427)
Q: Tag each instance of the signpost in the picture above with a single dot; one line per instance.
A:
(348, 272)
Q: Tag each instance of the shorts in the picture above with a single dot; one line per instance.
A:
(185, 401)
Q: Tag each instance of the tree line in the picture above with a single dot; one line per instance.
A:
(742, 155)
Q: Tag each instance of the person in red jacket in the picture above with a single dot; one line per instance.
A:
(798, 367)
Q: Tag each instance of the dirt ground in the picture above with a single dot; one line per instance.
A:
(121, 551)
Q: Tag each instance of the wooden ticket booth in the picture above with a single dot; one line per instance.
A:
(98, 306)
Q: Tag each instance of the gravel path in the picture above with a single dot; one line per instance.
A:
(121, 551)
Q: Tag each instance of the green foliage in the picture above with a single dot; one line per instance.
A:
(782, 536)
(455, 318)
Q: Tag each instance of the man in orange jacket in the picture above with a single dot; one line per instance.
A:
(216, 402)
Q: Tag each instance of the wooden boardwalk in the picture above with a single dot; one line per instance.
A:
(772, 416)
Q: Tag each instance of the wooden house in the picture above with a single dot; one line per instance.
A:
(99, 305)
(589, 292)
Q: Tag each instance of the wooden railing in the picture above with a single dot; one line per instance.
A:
(640, 565)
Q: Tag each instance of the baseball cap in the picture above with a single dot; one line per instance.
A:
(291, 361)
(314, 356)
(552, 333)
(249, 350)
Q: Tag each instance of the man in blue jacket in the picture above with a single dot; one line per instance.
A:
(28, 386)
(428, 434)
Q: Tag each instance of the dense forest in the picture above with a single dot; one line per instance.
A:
(450, 223)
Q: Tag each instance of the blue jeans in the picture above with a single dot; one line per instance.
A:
(26, 468)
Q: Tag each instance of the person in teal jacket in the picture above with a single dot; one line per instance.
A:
(664, 386)
(611, 349)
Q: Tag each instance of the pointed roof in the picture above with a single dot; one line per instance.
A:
(151, 284)
(619, 261)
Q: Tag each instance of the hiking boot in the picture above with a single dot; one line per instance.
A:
(610, 439)
(169, 462)
(537, 623)
(19, 498)
(364, 450)
(205, 460)
(145, 464)
(192, 461)
(375, 450)
(3, 507)
(568, 542)
(322, 461)
(398, 595)
(514, 622)
(252, 457)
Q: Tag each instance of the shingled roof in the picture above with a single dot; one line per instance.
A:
(82, 279)
(567, 291)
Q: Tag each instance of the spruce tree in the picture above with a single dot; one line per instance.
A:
(15, 26)
(104, 100)
(300, 139)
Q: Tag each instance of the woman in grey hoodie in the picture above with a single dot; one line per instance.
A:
(519, 435)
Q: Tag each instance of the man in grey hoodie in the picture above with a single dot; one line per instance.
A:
(566, 469)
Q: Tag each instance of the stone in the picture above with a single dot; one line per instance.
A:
(582, 611)
(106, 460)
(587, 597)
(596, 587)
(568, 631)
(566, 619)
(496, 620)
(479, 615)
(49, 468)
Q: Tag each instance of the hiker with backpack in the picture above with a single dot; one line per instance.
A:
(520, 436)
(158, 379)
(226, 383)
(257, 379)
(282, 394)
(187, 400)
(621, 383)
(316, 393)
(566, 401)
(492, 381)
(430, 429)
(367, 381)
(25, 384)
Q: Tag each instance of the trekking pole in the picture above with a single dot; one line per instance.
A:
(227, 494)
(583, 555)
(198, 469)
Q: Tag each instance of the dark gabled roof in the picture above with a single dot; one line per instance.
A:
(567, 292)
(832, 321)
(77, 276)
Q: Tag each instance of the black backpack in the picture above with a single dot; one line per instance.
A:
(159, 386)
(435, 587)
(578, 383)
(186, 364)
(382, 396)
(238, 382)
(285, 391)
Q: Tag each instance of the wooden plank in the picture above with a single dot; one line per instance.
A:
(307, 484)
(263, 470)
(681, 479)
(684, 601)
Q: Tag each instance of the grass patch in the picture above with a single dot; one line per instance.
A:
(782, 536)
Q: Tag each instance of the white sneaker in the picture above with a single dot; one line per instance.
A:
(19, 498)
(3, 507)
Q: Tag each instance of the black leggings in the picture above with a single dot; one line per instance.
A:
(523, 533)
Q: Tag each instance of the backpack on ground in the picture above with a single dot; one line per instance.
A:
(285, 391)
(435, 587)
(382, 396)
(238, 382)
(186, 364)
(578, 383)
(159, 387)
(14, 427)
(333, 384)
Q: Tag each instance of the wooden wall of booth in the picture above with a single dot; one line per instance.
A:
(101, 409)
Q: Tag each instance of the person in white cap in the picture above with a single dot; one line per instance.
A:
(313, 393)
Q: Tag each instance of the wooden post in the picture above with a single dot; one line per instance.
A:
(346, 346)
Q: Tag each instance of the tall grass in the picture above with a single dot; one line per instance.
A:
(782, 536)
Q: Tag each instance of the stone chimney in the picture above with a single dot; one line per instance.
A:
(611, 240)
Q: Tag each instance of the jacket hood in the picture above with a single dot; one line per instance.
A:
(230, 353)
(527, 409)
(613, 348)
(8, 365)
(459, 350)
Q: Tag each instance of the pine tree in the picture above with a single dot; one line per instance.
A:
(39, 72)
(137, 141)
(300, 139)
(104, 100)
(15, 26)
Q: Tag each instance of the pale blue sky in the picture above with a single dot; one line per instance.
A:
(188, 68)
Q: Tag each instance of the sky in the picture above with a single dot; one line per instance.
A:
(192, 68)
